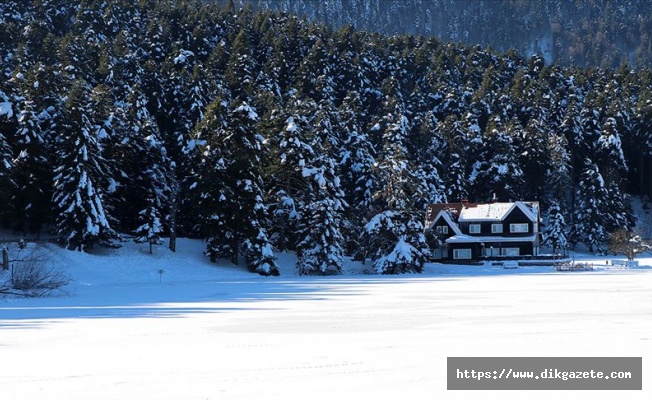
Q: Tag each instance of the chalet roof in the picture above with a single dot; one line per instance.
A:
(498, 211)
(467, 212)
(452, 208)
(485, 212)
(449, 220)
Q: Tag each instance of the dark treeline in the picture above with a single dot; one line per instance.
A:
(600, 33)
(259, 131)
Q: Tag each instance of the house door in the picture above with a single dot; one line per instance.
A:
(491, 251)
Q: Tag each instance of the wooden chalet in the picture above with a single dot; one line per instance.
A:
(474, 231)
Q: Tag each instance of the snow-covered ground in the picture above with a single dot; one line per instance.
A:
(204, 331)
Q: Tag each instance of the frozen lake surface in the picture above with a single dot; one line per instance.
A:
(197, 331)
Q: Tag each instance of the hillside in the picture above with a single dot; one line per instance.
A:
(259, 131)
(587, 33)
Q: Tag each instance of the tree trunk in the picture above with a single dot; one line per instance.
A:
(235, 250)
(173, 214)
(5, 258)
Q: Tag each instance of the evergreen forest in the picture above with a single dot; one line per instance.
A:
(261, 131)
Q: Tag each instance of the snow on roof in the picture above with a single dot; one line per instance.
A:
(495, 211)
(485, 212)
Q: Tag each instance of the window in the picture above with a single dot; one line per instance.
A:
(497, 228)
(474, 228)
(441, 230)
(462, 254)
(518, 228)
(509, 251)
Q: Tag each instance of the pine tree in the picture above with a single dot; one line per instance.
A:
(231, 187)
(151, 229)
(211, 182)
(7, 185)
(399, 243)
(592, 213)
(240, 71)
(153, 183)
(148, 177)
(37, 115)
(356, 159)
(292, 154)
(500, 173)
(532, 148)
(558, 183)
(456, 161)
(431, 186)
(610, 152)
(320, 251)
(556, 230)
(81, 220)
(252, 213)
(356, 165)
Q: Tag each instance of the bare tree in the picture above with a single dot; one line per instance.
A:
(30, 274)
(628, 244)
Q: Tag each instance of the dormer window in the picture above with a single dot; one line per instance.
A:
(474, 228)
(441, 230)
(496, 228)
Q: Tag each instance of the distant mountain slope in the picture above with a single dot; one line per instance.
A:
(601, 33)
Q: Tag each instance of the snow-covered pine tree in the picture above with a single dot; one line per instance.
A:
(151, 229)
(396, 245)
(555, 234)
(591, 217)
(7, 185)
(320, 247)
(251, 215)
(240, 72)
(428, 163)
(149, 169)
(320, 252)
(5, 168)
(290, 188)
(620, 213)
(356, 165)
(590, 128)
(534, 158)
(209, 181)
(80, 174)
(499, 173)
(397, 226)
(558, 184)
(29, 165)
(179, 91)
(314, 75)
(230, 184)
(455, 160)
(153, 184)
(609, 152)
(37, 107)
(356, 159)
